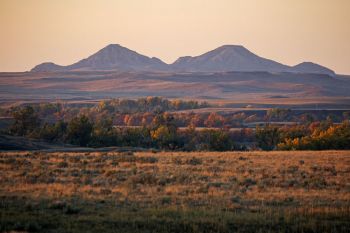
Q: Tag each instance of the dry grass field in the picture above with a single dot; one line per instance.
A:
(259, 89)
(300, 191)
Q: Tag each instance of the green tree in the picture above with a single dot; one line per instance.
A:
(136, 137)
(26, 121)
(104, 134)
(54, 132)
(267, 137)
(215, 140)
(79, 131)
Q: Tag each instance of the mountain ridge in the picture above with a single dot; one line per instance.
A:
(225, 58)
(228, 58)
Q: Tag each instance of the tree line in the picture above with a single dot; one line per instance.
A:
(162, 131)
(141, 112)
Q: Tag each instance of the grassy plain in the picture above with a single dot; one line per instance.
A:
(231, 89)
(300, 191)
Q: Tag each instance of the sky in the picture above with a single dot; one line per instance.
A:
(65, 31)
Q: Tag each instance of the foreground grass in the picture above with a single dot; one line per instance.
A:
(175, 192)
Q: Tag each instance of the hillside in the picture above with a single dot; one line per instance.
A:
(309, 67)
(112, 57)
(229, 72)
(223, 59)
(243, 87)
(228, 58)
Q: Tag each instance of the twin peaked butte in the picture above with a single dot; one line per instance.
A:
(223, 59)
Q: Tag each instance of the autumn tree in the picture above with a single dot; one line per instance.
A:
(334, 137)
(214, 120)
(164, 131)
(195, 120)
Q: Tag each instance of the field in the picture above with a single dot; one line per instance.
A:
(233, 89)
(175, 192)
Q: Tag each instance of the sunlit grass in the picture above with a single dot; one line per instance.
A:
(176, 191)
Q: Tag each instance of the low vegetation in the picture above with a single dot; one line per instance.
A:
(175, 192)
(99, 126)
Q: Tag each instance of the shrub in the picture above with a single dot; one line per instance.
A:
(267, 137)
(26, 121)
(194, 161)
(79, 131)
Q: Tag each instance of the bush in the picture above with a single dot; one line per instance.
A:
(267, 137)
(214, 140)
(79, 131)
(26, 121)
(334, 137)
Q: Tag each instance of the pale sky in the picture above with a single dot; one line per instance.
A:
(65, 31)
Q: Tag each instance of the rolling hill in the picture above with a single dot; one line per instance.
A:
(111, 57)
(228, 73)
(223, 59)
(228, 58)
(240, 87)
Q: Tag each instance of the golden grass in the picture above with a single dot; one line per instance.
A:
(303, 191)
(212, 179)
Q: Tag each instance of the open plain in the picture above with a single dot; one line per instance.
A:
(298, 191)
(230, 89)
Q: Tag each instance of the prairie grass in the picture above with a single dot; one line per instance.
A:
(300, 191)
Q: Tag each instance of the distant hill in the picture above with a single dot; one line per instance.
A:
(309, 67)
(223, 59)
(238, 86)
(238, 58)
(111, 57)
(228, 58)
(48, 66)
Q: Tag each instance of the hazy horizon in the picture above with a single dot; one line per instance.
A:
(64, 32)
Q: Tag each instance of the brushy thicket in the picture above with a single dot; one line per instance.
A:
(144, 123)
